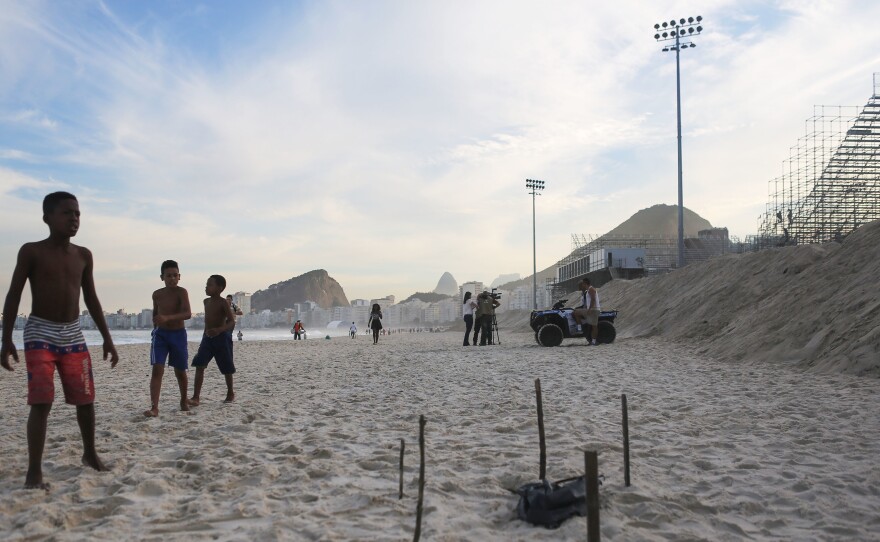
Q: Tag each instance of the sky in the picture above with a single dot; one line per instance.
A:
(389, 142)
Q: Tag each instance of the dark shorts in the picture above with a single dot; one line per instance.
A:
(217, 348)
(169, 344)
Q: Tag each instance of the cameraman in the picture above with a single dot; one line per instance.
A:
(486, 315)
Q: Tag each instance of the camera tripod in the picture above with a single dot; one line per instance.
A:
(496, 338)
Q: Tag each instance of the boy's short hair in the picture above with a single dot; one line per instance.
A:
(169, 263)
(219, 280)
(52, 200)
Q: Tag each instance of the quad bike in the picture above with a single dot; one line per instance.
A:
(553, 325)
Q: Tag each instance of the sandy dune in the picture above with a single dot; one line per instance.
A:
(720, 450)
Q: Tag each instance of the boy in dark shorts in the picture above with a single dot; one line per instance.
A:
(57, 270)
(219, 319)
(170, 309)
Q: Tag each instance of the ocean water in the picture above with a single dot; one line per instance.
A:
(140, 336)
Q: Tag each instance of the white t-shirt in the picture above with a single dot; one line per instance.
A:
(586, 298)
(468, 307)
(353, 328)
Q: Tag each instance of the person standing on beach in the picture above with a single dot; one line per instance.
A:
(170, 310)
(57, 270)
(467, 313)
(486, 306)
(375, 322)
(218, 320)
(353, 331)
(589, 310)
(297, 330)
(236, 312)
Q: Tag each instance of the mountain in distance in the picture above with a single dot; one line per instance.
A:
(317, 286)
(504, 279)
(660, 219)
(446, 285)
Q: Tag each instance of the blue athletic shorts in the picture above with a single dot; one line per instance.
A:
(216, 348)
(170, 344)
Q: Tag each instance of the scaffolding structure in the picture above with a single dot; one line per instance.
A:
(831, 181)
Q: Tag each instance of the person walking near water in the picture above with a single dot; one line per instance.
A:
(168, 338)
(297, 330)
(467, 313)
(375, 322)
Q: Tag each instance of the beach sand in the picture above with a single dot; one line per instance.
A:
(310, 449)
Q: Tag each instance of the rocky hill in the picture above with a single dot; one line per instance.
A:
(661, 220)
(446, 285)
(317, 286)
(658, 219)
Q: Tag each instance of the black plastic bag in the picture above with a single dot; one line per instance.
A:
(549, 504)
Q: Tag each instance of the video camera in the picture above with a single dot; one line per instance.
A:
(495, 294)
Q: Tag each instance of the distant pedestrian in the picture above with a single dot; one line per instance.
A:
(352, 331)
(298, 330)
(375, 322)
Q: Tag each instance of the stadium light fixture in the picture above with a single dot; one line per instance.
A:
(536, 187)
(681, 31)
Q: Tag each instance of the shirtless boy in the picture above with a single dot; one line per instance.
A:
(170, 309)
(57, 270)
(219, 319)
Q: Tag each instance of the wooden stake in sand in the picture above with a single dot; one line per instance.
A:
(419, 507)
(625, 440)
(591, 463)
(402, 448)
(542, 443)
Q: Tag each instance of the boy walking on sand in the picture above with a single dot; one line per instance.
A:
(218, 320)
(170, 309)
(56, 269)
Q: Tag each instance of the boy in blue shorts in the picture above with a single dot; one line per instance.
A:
(170, 309)
(219, 320)
(57, 271)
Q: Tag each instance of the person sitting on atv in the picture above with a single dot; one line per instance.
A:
(588, 312)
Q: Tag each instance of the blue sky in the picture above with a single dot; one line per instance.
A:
(388, 142)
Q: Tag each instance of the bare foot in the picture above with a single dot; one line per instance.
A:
(184, 405)
(94, 461)
(152, 413)
(193, 402)
(35, 481)
(230, 397)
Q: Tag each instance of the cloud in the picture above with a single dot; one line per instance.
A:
(389, 143)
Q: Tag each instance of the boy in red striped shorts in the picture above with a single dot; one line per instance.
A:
(56, 269)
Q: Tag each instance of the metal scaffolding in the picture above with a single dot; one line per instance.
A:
(831, 181)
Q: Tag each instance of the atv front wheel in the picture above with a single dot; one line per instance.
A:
(550, 335)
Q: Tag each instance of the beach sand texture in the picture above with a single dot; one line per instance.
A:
(310, 450)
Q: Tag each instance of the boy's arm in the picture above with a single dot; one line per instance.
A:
(10, 307)
(95, 310)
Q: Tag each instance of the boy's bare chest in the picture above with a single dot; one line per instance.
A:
(58, 268)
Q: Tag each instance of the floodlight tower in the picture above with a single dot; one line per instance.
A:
(681, 31)
(535, 187)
